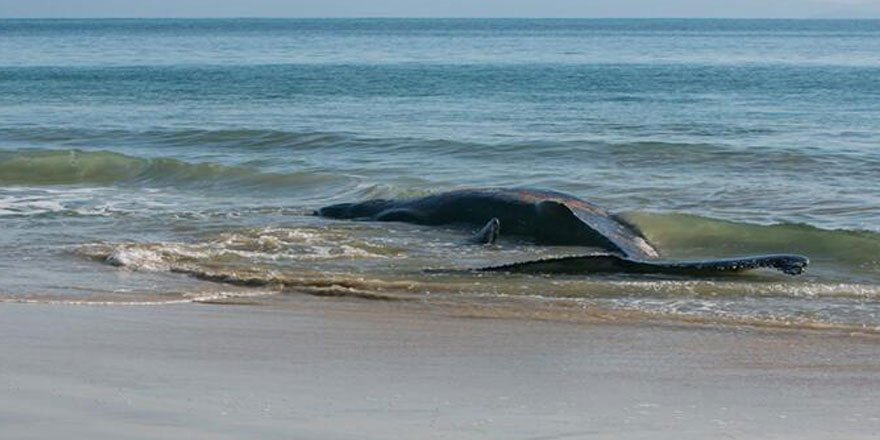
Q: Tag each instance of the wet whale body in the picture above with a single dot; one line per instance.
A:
(553, 218)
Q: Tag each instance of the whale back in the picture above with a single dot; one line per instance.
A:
(548, 217)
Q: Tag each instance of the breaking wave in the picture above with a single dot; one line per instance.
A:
(70, 167)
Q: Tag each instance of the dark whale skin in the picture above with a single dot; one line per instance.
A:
(550, 217)
(547, 217)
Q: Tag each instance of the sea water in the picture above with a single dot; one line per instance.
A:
(152, 161)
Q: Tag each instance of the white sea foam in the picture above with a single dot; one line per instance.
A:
(251, 247)
(10, 205)
(24, 201)
(137, 258)
(186, 298)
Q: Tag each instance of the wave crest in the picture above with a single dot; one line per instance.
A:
(72, 167)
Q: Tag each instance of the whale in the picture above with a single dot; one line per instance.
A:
(547, 217)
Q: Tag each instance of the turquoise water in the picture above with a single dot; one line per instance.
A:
(140, 157)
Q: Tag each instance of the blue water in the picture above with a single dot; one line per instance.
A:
(159, 144)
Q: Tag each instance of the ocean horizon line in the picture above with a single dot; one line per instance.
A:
(462, 18)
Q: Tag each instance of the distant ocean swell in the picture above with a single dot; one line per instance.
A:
(546, 80)
(78, 152)
(169, 138)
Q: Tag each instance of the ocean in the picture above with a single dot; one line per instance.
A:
(168, 161)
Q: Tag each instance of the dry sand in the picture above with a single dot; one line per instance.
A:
(348, 369)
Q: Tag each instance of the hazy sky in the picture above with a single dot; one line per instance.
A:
(440, 8)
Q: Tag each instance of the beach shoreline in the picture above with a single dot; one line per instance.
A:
(314, 367)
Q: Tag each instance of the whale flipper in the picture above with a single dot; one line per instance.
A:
(488, 234)
(607, 263)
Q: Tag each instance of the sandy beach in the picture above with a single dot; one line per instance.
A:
(353, 369)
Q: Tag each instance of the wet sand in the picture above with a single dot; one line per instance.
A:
(323, 368)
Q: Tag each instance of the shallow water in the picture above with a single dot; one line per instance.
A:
(153, 161)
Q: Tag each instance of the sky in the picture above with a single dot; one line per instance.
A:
(441, 8)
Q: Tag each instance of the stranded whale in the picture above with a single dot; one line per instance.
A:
(549, 217)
